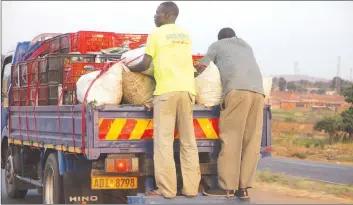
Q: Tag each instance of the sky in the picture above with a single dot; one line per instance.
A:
(312, 33)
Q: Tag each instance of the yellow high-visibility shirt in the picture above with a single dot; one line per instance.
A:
(170, 48)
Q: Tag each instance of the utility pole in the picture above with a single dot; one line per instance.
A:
(350, 75)
(296, 69)
(338, 80)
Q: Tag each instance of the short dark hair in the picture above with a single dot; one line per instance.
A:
(171, 7)
(226, 33)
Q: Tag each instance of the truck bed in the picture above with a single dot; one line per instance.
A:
(108, 129)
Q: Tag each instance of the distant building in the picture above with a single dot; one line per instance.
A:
(288, 104)
(331, 92)
(289, 100)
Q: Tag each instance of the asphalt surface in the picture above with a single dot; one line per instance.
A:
(333, 173)
(328, 172)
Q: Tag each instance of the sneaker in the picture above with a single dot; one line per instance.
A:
(218, 191)
(242, 193)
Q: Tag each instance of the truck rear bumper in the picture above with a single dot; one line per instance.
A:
(143, 199)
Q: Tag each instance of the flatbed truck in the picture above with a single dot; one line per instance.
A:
(87, 154)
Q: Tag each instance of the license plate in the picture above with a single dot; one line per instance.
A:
(114, 182)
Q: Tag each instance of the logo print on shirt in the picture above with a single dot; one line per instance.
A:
(179, 38)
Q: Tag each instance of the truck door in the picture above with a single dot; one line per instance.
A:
(5, 88)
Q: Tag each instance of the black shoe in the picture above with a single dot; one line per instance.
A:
(218, 192)
(242, 193)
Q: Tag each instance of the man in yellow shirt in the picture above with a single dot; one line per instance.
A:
(169, 48)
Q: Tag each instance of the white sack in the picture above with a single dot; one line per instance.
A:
(267, 83)
(133, 54)
(106, 90)
(209, 86)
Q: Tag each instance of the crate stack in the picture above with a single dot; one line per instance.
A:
(53, 75)
(61, 61)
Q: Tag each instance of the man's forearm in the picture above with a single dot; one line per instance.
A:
(140, 67)
(199, 69)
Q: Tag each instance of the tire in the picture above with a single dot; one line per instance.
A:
(53, 192)
(11, 182)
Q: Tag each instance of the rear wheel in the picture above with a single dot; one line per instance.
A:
(11, 182)
(52, 184)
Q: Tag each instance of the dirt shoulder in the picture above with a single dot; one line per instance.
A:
(284, 189)
(270, 195)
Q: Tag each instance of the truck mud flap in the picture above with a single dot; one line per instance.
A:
(143, 199)
(77, 189)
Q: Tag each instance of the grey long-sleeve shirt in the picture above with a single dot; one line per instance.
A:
(237, 65)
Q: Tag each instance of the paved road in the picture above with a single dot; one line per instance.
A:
(342, 174)
(314, 170)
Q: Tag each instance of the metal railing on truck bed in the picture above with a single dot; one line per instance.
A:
(109, 129)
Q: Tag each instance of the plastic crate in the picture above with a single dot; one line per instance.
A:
(23, 96)
(29, 75)
(68, 98)
(42, 98)
(75, 70)
(43, 71)
(58, 63)
(16, 96)
(23, 74)
(59, 45)
(33, 71)
(15, 76)
(22, 93)
(135, 40)
(91, 41)
(197, 58)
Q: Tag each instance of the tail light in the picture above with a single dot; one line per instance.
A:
(121, 165)
(268, 149)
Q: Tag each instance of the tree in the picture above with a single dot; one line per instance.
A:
(291, 86)
(331, 126)
(347, 115)
(348, 94)
(333, 82)
(347, 121)
(343, 84)
(321, 91)
(282, 83)
(274, 83)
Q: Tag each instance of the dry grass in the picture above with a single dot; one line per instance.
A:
(303, 187)
(315, 149)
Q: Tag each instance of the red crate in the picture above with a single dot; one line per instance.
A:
(15, 80)
(196, 59)
(34, 70)
(73, 71)
(23, 96)
(43, 71)
(23, 71)
(31, 77)
(135, 40)
(22, 93)
(16, 96)
(58, 63)
(58, 44)
(91, 41)
(42, 97)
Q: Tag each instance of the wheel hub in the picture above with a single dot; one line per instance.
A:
(10, 176)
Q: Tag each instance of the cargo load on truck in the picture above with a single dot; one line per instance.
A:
(77, 152)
